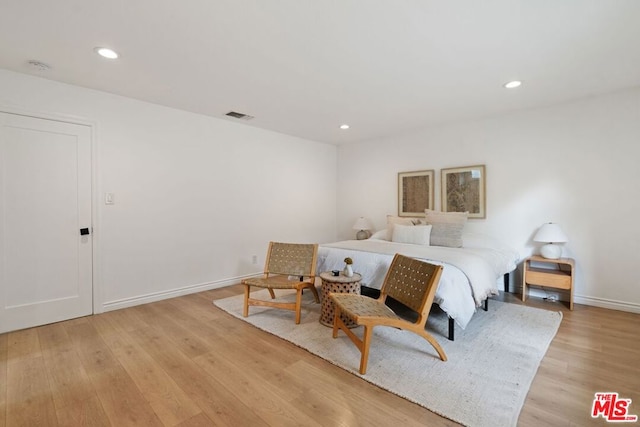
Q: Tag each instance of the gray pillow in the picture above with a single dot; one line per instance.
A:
(446, 227)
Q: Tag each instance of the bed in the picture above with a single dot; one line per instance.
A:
(471, 273)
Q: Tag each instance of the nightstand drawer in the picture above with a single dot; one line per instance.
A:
(551, 278)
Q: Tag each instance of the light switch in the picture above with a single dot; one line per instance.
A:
(109, 199)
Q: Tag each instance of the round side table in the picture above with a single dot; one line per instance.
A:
(336, 284)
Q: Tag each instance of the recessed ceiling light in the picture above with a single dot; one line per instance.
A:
(344, 126)
(106, 52)
(513, 84)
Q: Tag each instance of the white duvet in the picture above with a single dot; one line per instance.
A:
(470, 274)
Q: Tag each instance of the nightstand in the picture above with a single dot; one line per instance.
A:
(561, 278)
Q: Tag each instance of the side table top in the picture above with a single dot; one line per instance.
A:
(538, 258)
(329, 277)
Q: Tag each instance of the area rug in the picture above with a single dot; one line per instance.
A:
(485, 381)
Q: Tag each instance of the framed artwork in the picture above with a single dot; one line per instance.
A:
(464, 189)
(415, 192)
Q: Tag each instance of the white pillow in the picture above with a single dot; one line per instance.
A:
(393, 220)
(380, 235)
(413, 234)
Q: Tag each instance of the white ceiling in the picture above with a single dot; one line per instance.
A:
(304, 67)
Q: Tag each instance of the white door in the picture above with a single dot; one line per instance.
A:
(45, 201)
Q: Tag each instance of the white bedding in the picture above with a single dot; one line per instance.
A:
(469, 276)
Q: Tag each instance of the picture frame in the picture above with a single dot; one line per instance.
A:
(464, 190)
(415, 192)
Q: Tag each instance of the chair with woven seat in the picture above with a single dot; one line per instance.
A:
(288, 266)
(410, 282)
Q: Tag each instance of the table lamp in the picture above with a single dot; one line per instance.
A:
(363, 225)
(550, 233)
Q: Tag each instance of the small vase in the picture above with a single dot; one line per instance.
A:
(348, 270)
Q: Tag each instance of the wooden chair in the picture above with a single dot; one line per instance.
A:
(288, 266)
(409, 281)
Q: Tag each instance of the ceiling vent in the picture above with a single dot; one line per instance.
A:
(38, 66)
(237, 115)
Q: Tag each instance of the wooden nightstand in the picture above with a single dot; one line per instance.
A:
(547, 277)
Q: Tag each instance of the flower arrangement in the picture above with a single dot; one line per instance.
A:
(348, 270)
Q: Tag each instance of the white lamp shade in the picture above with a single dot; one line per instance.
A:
(362, 223)
(550, 233)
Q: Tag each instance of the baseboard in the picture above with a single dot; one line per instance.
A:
(581, 299)
(607, 303)
(158, 296)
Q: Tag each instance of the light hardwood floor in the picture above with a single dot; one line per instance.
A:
(184, 362)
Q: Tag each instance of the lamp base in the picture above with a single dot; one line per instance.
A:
(551, 251)
(362, 234)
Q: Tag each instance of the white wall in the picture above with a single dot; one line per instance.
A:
(574, 164)
(195, 197)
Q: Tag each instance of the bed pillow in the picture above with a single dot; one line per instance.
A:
(413, 234)
(446, 227)
(393, 220)
(380, 235)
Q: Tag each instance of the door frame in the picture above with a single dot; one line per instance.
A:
(95, 213)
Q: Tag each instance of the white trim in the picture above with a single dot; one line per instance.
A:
(95, 224)
(58, 117)
(158, 296)
(96, 218)
(607, 303)
(580, 299)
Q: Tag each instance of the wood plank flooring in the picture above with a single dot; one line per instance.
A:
(184, 362)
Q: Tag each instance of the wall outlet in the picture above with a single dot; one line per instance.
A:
(254, 259)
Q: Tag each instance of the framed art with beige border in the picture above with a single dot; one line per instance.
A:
(464, 190)
(415, 192)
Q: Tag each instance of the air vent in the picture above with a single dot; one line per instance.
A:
(39, 66)
(237, 115)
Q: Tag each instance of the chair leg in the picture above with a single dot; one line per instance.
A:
(298, 305)
(362, 344)
(433, 342)
(315, 293)
(336, 318)
(366, 342)
(245, 308)
(273, 295)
